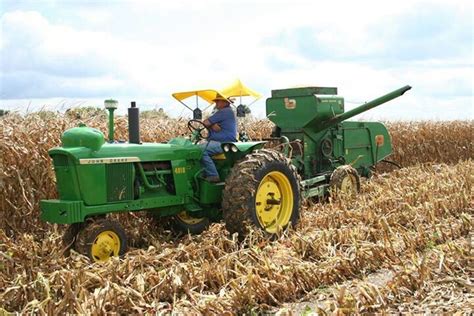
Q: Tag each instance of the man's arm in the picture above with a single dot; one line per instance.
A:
(215, 127)
(214, 120)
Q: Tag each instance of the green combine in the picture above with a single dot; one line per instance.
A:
(261, 188)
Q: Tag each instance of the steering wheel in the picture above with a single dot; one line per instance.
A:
(197, 127)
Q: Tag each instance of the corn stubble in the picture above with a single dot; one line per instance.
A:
(404, 244)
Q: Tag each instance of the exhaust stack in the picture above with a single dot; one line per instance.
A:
(133, 124)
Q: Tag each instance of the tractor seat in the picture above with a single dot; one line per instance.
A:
(220, 156)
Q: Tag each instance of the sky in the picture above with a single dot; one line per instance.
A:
(59, 54)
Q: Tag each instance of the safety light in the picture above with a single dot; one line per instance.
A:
(111, 104)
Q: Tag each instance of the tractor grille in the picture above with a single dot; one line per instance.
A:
(60, 160)
(119, 182)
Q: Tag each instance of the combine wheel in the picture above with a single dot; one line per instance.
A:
(185, 223)
(263, 191)
(101, 239)
(345, 179)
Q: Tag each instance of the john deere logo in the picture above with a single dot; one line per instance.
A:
(290, 104)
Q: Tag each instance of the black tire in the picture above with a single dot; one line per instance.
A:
(185, 223)
(240, 198)
(338, 182)
(88, 239)
(69, 237)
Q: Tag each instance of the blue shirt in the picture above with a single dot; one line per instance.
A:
(225, 118)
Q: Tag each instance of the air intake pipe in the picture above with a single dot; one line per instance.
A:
(133, 124)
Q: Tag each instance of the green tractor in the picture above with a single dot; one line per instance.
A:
(260, 188)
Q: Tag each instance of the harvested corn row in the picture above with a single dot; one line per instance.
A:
(405, 244)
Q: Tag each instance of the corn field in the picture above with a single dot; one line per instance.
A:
(403, 245)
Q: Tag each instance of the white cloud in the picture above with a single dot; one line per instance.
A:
(145, 50)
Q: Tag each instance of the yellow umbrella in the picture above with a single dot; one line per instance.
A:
(238, 89)
(207, 95)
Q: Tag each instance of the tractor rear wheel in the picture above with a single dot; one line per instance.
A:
(101, 239)
(345, 180)
(262, 191)
(186, 223)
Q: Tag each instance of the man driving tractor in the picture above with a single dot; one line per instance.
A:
(223, 128)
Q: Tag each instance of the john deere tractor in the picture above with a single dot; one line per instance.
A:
(260, 188)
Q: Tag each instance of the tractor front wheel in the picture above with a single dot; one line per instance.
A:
(262, 191)
(186, 223)
(101, 239)
(69, 237)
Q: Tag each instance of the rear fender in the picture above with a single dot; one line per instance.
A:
(233, 152)
(237, 150)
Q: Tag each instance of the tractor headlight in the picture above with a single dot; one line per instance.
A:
(234, 148)
(226, 147)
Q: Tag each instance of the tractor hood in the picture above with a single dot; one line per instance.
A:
(125, 152)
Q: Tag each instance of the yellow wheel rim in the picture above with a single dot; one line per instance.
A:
(187, 219)
(348, 184)
(106, 245)
(274, 201)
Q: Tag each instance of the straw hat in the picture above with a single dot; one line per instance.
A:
(220, 98)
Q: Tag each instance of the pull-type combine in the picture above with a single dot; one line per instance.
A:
(260, 188)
